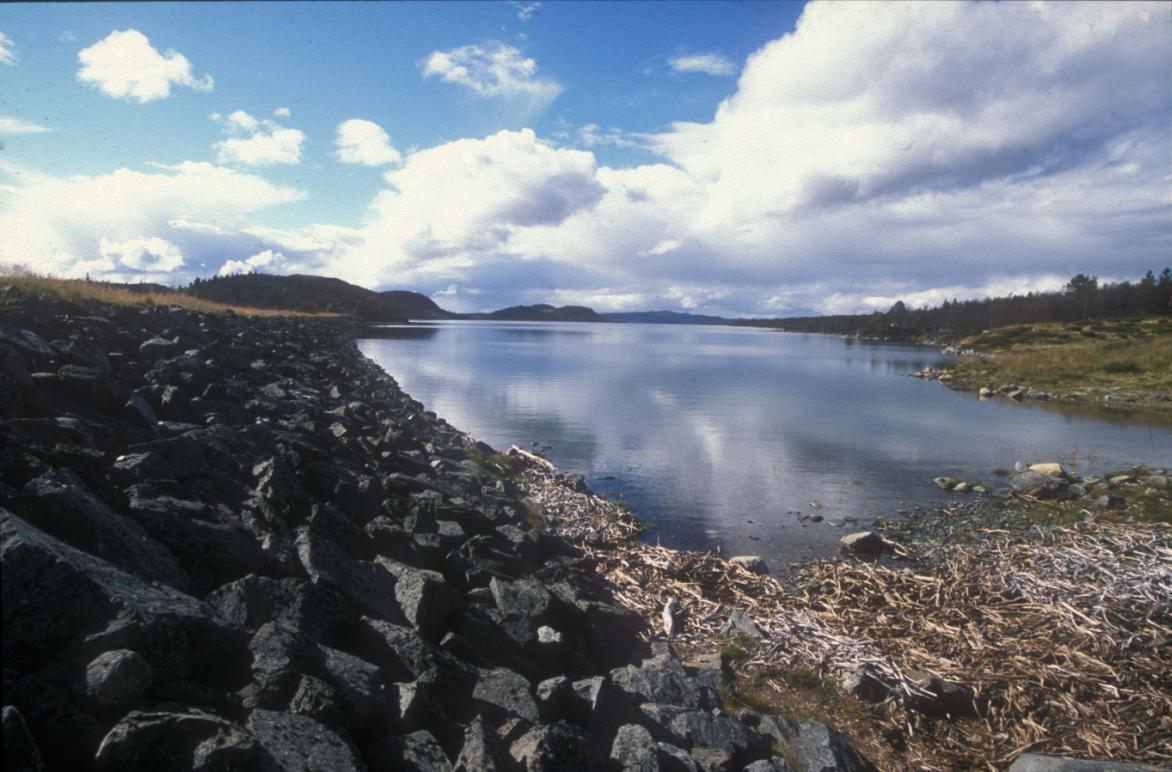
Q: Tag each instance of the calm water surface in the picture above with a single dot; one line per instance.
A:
(723, 437)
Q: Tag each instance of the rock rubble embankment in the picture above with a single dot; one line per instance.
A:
(234, 543)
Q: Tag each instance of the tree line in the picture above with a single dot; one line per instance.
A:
(1082, 299)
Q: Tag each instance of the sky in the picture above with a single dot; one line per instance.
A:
(739, 158)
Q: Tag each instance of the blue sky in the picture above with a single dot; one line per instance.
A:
(737, 158)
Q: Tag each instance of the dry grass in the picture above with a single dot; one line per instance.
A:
(1134, 358)
(83, 292)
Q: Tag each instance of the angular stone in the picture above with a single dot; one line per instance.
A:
(558, 747)
(292, 743)
(660, 679)
(60, 504)
(179, 738)
(505, 693)
(717, 730)
(633, 750)
(481, 751)
(251, 601)
(818, 748)
(115, 679)
(415, 752)
(424, 597)
(55, 596)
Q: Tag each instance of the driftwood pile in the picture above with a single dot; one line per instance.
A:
(1062, 642)
(1064, 638)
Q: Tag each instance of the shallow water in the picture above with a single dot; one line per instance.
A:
(722, 437)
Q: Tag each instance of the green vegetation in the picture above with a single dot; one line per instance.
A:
(1082, 300)
(83, 292)
(1127, 357)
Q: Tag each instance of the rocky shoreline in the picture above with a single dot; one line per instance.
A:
(233, 542)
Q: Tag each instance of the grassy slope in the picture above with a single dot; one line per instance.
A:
(83, 292)
(1131, 357)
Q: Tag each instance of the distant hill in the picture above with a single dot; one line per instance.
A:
(664, 317)
(540, 313)
(416, 306)
(317, 294)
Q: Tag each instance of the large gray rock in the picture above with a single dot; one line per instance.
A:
(59, 503)
(251, 601)
(719, 731)
(369, 585)
(558, 747)
(481, 751)
(115, 679)
(818, 748)
(55, 596)
(634, 750)
(277, 650)
(20, 749)
(415, 752)
(176, 739)
(662, 679)
(425, 598)
(505, 693)
(292, 743)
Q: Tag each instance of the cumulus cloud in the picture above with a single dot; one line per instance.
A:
(451, 207)
(493, 69)
(257, 142)
(151, 254)
(365, 142)
(11, 126)
(7, 50)
(267, 261)
(710, 64)
(282, 112)
(125, 65)
(130, 225)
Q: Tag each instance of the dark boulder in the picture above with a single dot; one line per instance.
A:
(177, 738)
(60, 504)
(20, 749)
(115, 679)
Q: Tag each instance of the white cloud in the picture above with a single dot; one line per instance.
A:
(525, 10)
(151, 254)
(709, 64)
(364, 142)
(267, 261)
(9, 126)
(282, 112)
(452, 205)
(7, 50)
(257, 142)
(125, 65)
(493, 69)
(132, 225)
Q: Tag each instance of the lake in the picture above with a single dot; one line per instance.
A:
(725, 437)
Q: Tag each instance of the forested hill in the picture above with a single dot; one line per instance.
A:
(317, 294)
(1083, 298)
